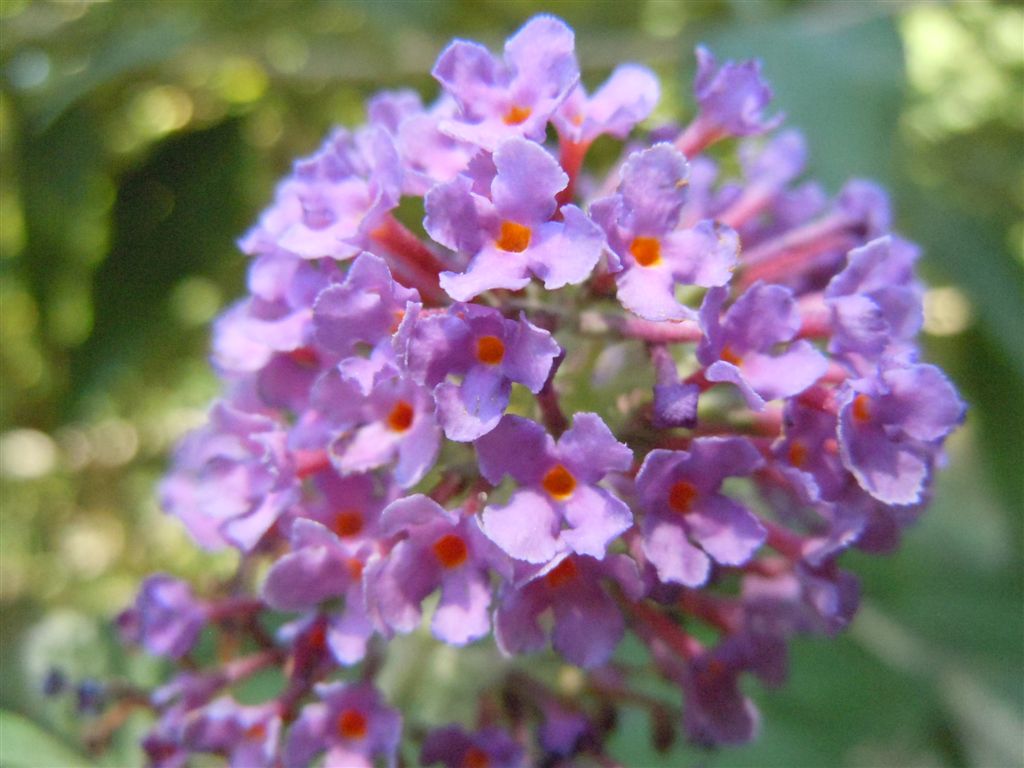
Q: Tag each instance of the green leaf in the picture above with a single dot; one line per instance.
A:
(23, 744)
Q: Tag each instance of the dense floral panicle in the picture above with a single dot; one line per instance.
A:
(513, 97)
(166, 618)
(393, 452)
(737, 348)
(558, 486)
(452, 747)
(510, 235)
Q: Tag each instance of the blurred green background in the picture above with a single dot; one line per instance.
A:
(139, 139)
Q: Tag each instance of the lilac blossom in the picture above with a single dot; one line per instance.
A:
(352, 724)
(510, 235)
(680, 493)
(248, 735)
(514, 97)
(737, 347)
(558, 486)
(166, 618)
(626, 98)
(489, 353)
(487, 748)
(440, 549)
(640, 221)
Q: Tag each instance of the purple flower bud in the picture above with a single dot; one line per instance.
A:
(166, 618)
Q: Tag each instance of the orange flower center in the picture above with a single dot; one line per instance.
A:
(352, 724)
(797, 454)
(490, 350)
(559, 483)
(256, 732)
(514, 237)
(681, 497)
(450, 550)
(862, 409)
(475, 758)
(348, 523)
(355, 568)
(730, 356)
(400, 418)
(517, 115)
(562, 573)
(646, 251)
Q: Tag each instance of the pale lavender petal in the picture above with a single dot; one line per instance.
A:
(490, 268)
(587, 627)
(526, 527)
(566, 252)
(787, 374)
(591, 448)
(653, 190)
(418, 451)
(627, 97)
(673, 556)
(595, 518)
(528, 180)
(727, 530)
(348, 634)
(462, 615)
(728, 373)
(451, 216)
(516, 626)
(517, 447)
(470, 410)
(413, 511)
(924, 403)
(529, 355)
(467, 71)
(650, 293)
(705, 254)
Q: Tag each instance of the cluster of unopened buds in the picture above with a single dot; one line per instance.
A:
(398, 420)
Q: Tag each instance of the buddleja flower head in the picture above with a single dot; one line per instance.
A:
(417, 434)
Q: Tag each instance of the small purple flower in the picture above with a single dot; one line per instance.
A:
(558, 484)
(675, 402)
(486, 748)
(511, 235)
(442, 550)
(680, 492)
(587, 622)
(351, 723)
(626, 98)
(499, 100)
(322, 566)
(808, 453)
(248, 735)
(232, 480)
(891, 426)
(731, 99)
(716, 711)
(366, 308)
(166, 618)
(876, 300)
(333, 200)
(737, 348)
(488, 352)
(640, 221)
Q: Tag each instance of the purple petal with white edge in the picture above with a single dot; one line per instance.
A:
(463, 615)
(528, 180)
(490, 268)
(517, 447)
(728, 373)
(590, 448)
(924, 403)
(675, 559)
(727, 530)
(649, 292)
(348, 634)
(653, 190)
(587, 628)
(372, 446)
(703, 255)
(627, 97)
(529, 355)
(566, 252)
(787, 374)
(595, 518)
(413, 511)
(526, 527)
(451, 216)
(470, 410)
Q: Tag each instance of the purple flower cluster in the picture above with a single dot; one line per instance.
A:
(392, 426)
